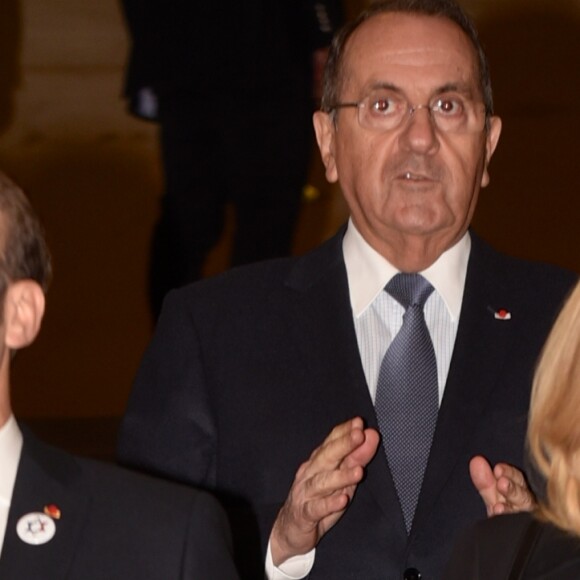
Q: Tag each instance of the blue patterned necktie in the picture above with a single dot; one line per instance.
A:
(407, 399)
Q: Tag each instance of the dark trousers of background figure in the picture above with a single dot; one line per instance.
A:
(252, 153)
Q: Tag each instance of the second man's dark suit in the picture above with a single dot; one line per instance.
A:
(113, 525)
(248, 372)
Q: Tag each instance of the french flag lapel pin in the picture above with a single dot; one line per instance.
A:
(502, 314)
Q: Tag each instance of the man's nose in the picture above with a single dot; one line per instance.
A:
(419, 132)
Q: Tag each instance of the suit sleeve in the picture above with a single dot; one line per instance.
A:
(168, 428)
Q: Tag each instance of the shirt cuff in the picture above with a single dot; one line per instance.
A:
(294, 568)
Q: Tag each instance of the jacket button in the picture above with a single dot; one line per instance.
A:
(412, 574)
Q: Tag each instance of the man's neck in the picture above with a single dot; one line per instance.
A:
(410, 253)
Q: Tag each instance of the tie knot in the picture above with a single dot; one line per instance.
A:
(409, 289)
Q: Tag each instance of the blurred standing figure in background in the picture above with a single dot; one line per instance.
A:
(232, 86)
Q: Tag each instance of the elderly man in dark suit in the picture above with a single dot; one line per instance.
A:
(71, 518)
(405, 330)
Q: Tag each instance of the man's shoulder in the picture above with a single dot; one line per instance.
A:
(131, 525)
(155, 498)
(255, 282)
(530, 277)
(112, 487)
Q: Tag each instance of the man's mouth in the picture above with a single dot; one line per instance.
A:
(409, 176)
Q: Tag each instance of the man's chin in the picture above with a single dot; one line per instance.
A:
(423, 224)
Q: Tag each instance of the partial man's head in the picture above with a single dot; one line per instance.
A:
(407, 126)
(25, 272)
(25, 266)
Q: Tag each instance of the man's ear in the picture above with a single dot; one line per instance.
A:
(23, 312)
(493, 133)
(325, 131)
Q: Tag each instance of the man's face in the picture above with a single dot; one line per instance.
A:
(412, 188)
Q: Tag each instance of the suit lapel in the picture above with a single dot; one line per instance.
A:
(482, 344)
(45, 476)
(321, 324)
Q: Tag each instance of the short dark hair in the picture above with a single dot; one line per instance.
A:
(333, 77)
(23, 250)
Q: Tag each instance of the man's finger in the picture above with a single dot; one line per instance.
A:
(484, 481)
(517, 497)
(363, 454)
(481, 474)
(511, 473)
(332, 482)
(342, 441)
(317, 510)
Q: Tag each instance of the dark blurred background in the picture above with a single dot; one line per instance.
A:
(93, 175)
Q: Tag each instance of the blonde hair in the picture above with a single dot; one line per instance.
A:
(554, 427)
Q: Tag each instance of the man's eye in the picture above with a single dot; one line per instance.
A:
(382, 105)
(449, 106)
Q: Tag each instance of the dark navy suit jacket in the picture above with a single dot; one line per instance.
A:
(248, 372)
(114, 524)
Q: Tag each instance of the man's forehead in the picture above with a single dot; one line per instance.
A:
(406, 44)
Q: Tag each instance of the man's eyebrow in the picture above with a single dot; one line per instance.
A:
(454, 87)
(377, 86)
(460, 87)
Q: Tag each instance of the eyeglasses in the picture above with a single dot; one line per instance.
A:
(386, 110)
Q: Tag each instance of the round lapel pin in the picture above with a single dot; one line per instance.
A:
(35, 528)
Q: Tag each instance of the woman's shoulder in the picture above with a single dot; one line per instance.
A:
(499, 526)
(489, 548)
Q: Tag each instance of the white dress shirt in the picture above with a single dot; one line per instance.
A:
(10, 448)
(378, 316)
(377, 319)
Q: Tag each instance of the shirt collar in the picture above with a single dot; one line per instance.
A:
(368, 272)
(10, 448)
